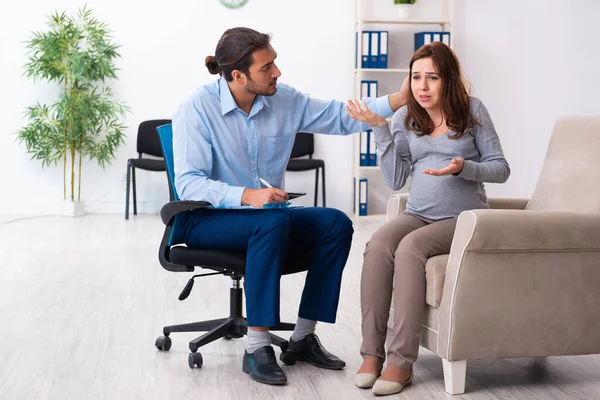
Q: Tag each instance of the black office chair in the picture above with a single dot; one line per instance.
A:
(304, 145)
(177, 258)
(147, 143)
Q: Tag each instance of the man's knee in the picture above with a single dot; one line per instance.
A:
(275, 223)
(339, 224)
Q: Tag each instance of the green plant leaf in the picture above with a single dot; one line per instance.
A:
(76, 53)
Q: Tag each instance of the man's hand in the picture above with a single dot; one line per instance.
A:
(259, 197)
(400, 99)
(364, 114)
(455, 167)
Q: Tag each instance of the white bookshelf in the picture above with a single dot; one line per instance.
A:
(404, 22)
(384, 70)
(443, 22)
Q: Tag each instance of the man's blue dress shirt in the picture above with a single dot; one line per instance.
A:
(219, 150)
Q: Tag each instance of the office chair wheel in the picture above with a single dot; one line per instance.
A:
(195, 359)
(288, 358)
(163, 343)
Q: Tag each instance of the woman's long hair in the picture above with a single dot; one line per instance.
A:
(454, 100)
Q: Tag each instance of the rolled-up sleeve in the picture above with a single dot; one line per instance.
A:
(331, 117)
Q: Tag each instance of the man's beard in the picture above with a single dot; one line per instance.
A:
(252, 88)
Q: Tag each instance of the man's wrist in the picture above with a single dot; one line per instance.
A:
(397, 100)
(244, 199)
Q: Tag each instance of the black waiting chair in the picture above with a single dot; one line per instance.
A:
(175, 257)
(304, 145)
(147, 143)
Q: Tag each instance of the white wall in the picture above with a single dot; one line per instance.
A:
(530, 62)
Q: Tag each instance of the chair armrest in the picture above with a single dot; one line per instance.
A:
(498, 203)
(396, 204)
(521, 284)
(169, 210)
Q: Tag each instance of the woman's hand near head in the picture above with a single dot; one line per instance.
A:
(455, 168)
(363, 113)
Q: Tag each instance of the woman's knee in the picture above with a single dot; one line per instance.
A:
(381, 241)
(413, 244)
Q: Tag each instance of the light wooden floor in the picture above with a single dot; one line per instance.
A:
(82, 301)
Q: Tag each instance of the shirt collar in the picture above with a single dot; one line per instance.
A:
(228, 102)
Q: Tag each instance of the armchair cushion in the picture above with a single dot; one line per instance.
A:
(570, 174)
(435, 273)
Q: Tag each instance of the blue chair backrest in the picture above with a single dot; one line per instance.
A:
(165, 132)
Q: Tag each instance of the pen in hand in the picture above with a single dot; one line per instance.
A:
(267, 184)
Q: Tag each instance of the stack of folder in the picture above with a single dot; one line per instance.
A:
(368, 149)
(423, 38)
(363, 196)
(374, 49)
(368, 89)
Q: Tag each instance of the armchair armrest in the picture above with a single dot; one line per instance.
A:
(530, 230)
(521, 284)
(396, 204)
(498, 203)
(169, 210)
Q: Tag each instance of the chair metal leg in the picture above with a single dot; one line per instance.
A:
(280, 342)
(134, 190)
(323, 172)
(203, 326)
(216, 333)
(128, 179)
(283, 326)
(316, 185)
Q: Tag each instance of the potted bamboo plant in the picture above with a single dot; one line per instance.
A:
(76, 54)
(403, 8)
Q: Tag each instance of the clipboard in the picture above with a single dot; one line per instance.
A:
(292, 196)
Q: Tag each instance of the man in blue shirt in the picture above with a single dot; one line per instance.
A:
(227, 137)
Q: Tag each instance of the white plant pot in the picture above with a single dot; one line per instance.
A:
(71, 209)
(402, 11)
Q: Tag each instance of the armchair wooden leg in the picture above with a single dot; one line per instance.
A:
(455, 375)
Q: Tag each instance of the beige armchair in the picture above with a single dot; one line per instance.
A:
(523, 278)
